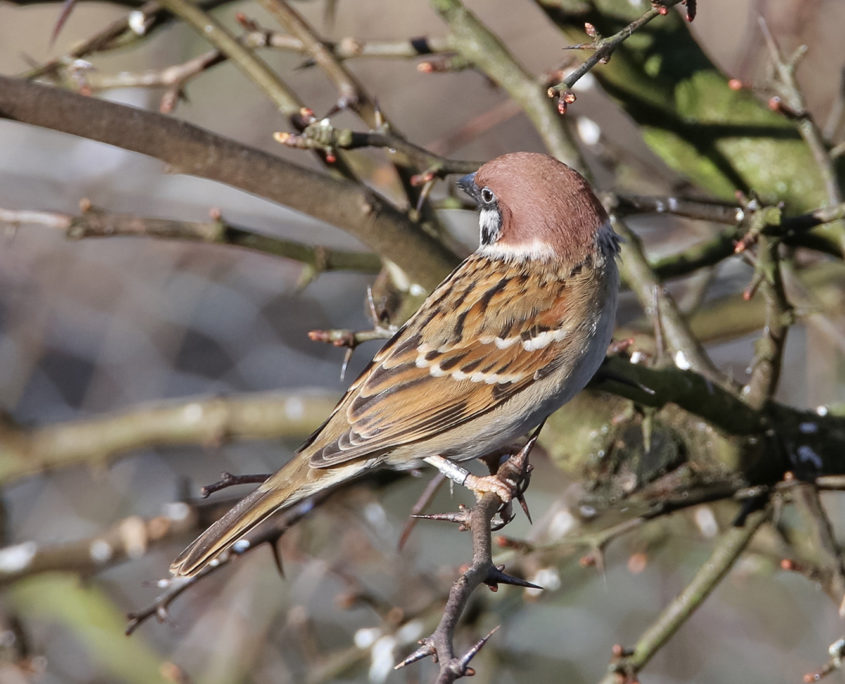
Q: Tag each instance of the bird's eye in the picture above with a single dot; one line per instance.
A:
(487, 195)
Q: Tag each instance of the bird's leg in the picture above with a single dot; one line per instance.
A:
(478, 485)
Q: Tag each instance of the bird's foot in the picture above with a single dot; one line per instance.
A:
(478, 485)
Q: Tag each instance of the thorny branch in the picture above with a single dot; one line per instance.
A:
(478, 520)
(265, 535)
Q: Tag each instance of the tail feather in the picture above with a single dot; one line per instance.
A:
(294, 482)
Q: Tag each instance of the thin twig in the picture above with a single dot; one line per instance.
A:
(792, 104)
(479, 45)
(728, 549)
(604, 47)
(253, 67)
(353, 95)
(322, 135)
(98, 224)
(817, 526)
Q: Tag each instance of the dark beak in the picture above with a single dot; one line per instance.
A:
(467, 184)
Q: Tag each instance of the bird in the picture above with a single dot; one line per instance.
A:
(514, 332)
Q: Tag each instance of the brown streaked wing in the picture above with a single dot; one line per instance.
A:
(397, 402)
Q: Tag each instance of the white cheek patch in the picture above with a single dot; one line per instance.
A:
(489, 225)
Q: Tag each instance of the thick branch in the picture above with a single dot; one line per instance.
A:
(130, 538)
(209, 421)
(198, 152)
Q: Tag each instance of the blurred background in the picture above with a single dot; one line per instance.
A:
(97, 326)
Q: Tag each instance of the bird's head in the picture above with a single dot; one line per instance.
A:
(533, 206)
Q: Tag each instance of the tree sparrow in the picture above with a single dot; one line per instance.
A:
(514, 332)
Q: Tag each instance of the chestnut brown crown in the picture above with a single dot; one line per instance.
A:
(533, 204)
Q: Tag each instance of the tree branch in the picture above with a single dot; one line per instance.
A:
(203, 420)
(192, 150)
(731, 545)
(98, 224)
(479, 45)
(130, 538)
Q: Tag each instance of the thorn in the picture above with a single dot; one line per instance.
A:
(461, 517)
(422, 652)
(343, 366)
(425, 498)
(277, 556)
(472, 652)
(497, 576)
(521, 498)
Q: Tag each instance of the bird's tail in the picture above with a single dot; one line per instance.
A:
(292, 483)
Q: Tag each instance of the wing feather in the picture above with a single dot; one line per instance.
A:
(434, 375)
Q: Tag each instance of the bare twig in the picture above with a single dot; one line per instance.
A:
(603, 48)
(478, 44)
(352, 95)
(253, 67)
(817, 526)
(97, 224)
(791, 230)
(322, 135)
(791, 102)
(655, 300)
